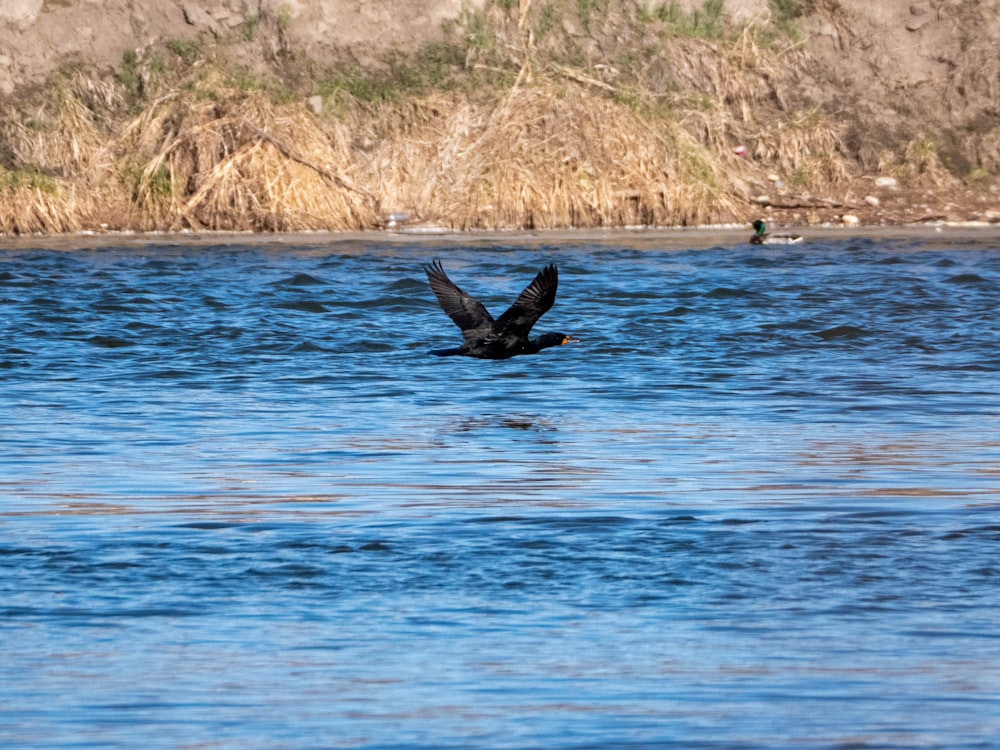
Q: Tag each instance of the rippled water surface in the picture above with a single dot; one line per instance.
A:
(758, 506)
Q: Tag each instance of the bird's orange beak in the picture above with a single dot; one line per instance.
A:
(569, 340)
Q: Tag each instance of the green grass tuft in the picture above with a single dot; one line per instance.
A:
(27, 178)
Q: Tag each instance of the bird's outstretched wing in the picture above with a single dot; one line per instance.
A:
(467, 312)
(536, 299)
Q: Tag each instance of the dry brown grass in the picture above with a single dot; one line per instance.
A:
(61, 135)
(242, 163)
(921, 165)
(233, 161)
(56, 150)
(408, 153)
(740, 75)
(555, 158)
(553, 152)
(546, 155)
(985, 149)
(562, 148)
(804, 145)
(34, 204)
(730, 93)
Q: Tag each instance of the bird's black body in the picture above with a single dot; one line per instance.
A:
(507, 336)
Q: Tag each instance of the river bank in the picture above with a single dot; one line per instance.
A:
(360, 242)
(518, 117)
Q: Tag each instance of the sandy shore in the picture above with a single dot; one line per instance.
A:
(661, 237)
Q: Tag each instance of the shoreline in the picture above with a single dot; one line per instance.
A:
(706, 235)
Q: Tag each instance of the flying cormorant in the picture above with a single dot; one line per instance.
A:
(506, 336)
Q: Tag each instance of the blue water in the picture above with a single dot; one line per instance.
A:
(757, 506)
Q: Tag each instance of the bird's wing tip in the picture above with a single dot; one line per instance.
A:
(434, 268)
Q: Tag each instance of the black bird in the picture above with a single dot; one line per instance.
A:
(506, 336)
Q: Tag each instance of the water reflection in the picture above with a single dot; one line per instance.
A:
(527, 422)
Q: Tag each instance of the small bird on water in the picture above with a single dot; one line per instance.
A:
(761, 237)
(507, 336)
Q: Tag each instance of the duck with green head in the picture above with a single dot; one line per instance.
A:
(761, 236)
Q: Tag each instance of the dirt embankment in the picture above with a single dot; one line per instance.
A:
(883, 112)
(37, 37)
(924, 73)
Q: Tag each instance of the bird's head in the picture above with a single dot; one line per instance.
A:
(759, 226)
(555, 339)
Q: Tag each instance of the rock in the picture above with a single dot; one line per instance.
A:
(315, 103)
(740, 11)
(886, 182)
(871, 200)
(21, 14)
(761, 200)
(570, 28)
(850, 220)
(396, 218)
(915, 24)
(920, 9)
(198, 17)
